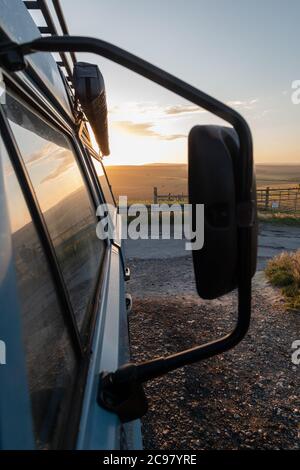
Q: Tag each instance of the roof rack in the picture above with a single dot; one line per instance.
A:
(64, 63)
(50, 28)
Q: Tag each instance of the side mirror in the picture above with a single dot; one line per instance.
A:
(221, 177)
(90, 90)
(213, 158)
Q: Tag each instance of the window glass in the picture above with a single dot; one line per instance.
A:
(64, 201)
(103, 181)
(50, 358)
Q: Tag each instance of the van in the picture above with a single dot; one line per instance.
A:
(67, 381)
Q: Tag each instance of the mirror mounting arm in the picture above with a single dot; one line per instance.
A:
(121, 391)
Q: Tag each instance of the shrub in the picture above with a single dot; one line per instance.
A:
(284, 271)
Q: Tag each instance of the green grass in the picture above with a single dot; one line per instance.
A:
(280, 218)
(284, 271)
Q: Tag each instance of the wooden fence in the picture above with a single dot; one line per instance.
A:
(278, 199)
(268, 199)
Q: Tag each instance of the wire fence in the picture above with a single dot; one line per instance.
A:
(268, 199)
(278, 199)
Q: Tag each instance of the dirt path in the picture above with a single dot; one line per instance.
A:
(246, 398)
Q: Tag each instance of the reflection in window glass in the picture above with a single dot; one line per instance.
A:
(50, 359)
(65, 203)
(103, 181)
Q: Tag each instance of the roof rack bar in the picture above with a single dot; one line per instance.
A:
(67, 61)
(63, 24)
(50, 27)
(47, 15)
(45, 30)
(32, 5)
(49, 21)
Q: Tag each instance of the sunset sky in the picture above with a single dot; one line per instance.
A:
(244, 53)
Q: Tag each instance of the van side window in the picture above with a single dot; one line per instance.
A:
(105, 187)
(65, 202)
(50, 357)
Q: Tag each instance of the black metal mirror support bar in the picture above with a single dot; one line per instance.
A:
(117, 387)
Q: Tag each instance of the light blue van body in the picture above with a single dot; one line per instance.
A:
(94, 427)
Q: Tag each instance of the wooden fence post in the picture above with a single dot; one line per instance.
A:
(267, 198)
(279, 202)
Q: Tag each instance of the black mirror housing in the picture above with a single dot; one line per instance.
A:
(90, 91)
(213, 157)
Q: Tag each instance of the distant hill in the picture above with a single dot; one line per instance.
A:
(270, 175)
(137, 181)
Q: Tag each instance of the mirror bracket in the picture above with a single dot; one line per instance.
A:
(12, 57)
(125, 397)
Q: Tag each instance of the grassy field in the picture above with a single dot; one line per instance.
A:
(279, 218)
(137, 182)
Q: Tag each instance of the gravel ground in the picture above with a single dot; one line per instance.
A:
(246, 398)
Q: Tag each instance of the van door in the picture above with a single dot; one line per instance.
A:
(71, 345)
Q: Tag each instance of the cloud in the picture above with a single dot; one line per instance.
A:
(45, 153)
(144, 129)
(52, 155)
(151, 111)
(245, 104)
(154, 111)
(264, 113)
(134, 106)
(183, 109)
(141, 128)
(173, 136)
(194, 109)
(64, 163)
